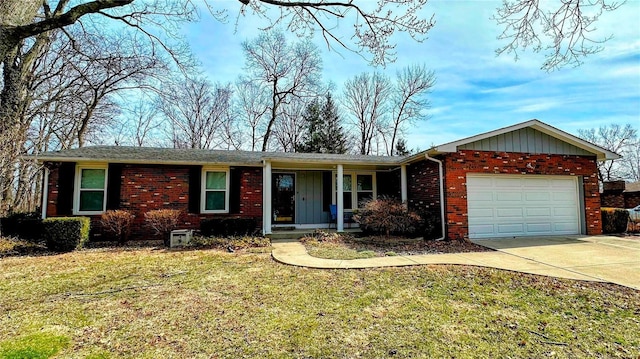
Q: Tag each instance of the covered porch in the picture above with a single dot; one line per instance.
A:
(301, 193)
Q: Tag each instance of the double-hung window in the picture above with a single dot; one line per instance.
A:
(91, 190)
(215, 191)
(356, 188)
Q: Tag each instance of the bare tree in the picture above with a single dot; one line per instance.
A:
(137, 125)
(631, 162)
(616, 138)
(196, 112)
(289, 130)
(287, 70)
(365, 98)
(252, 107)
(409, 99)
(561, 29)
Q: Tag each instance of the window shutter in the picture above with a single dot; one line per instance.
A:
(114, 183)
(66, 179)
(235, 179)
(195, 188)
(326, 190)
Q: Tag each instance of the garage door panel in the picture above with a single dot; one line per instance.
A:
(564, 183)
(483, 196)
(538, 182)
(508, 196)
(538, 228)
(520, 205)
(564, 212)
(563, 196)
(509, 213)
(537, 196)
(538, 212)
(510, 228)
(507, 183)
(481, 213)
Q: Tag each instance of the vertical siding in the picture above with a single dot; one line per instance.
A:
(525, 140)
(309, 197)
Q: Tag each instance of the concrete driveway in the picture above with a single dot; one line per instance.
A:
(603, 258)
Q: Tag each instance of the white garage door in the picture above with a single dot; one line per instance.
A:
(512, 205)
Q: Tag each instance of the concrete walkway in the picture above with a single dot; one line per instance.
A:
(602, 258)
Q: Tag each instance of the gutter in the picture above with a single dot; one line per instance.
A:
(440, 172)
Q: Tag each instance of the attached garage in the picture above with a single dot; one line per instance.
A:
(502, 205)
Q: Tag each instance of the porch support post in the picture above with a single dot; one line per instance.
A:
(403, 185)
(340, 200)
(266, 198)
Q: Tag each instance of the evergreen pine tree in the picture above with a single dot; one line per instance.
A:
(323, 133)
(333, 137)
(311, 141)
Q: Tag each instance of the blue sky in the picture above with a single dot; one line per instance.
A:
(475, 90)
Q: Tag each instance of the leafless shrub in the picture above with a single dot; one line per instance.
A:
(163, 221)
(118, 222)
(386, 215)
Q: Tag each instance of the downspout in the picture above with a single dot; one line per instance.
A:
(45, 192)
(442, 204)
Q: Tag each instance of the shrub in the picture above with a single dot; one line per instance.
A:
(163, 221)
(117, 222)
(614, 220)
(225, 227)
(239, 242)
(430, 225)
(386, 216)
(26, 226)
(64, 234)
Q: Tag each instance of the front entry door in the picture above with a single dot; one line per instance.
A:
(284, 198)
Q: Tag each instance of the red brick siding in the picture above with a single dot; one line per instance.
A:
(614, 195)
(631, 199)
(423, 187)
(147, 187)
(457, 165)
(423, 192)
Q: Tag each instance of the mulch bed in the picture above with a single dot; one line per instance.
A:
(405, 246)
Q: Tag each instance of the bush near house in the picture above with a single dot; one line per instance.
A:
(614, 220)
(226, 227)
(386, 215)
(163, 221)
(64, 234)
(25, 225)
(118, 223)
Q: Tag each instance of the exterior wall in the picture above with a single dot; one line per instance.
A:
(616, 195)
(613, 194)
(525, 140)
(423, 192)
(457, 165)
(148, 187)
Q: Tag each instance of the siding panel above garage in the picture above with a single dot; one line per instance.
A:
(525, 140)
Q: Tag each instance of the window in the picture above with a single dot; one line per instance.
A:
(215, 191)
(91, 190)
(356, 187)
(364, 189)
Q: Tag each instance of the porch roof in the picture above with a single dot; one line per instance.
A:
(160, 156)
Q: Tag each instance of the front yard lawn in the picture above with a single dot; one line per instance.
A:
(331, 245)
(149, 303)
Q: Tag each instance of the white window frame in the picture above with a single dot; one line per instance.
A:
(203, 190)
(77, 189)
(354, 187)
